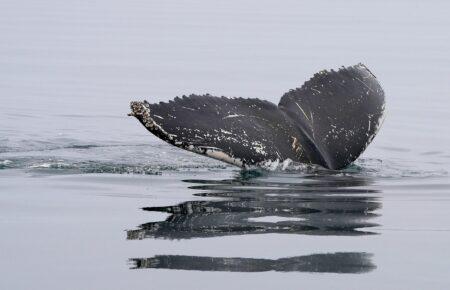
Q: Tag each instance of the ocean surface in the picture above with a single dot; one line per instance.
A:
(90, 200)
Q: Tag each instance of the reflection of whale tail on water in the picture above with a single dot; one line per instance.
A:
(329, 121)
(317, 207)
(317, 263)
(311, 205)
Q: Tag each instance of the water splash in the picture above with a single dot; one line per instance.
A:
(370, 167)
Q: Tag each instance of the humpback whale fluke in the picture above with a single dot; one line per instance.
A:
(328, 121)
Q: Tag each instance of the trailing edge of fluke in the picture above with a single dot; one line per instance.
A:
(328, 121)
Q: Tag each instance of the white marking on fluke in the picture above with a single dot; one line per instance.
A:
(233, 116)
(302, 111)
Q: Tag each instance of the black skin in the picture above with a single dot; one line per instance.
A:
(329, 121)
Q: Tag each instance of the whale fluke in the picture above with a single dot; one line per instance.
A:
(328, 121)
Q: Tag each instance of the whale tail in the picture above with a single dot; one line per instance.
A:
(328, 121)
(339, 111)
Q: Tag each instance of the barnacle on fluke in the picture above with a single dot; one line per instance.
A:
(328, 121)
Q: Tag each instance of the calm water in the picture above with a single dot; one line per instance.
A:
(90, 200)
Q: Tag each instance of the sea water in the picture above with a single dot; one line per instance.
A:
(90, 200)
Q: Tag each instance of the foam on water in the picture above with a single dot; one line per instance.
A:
(370, 167)
(69, 156)
(76, 157)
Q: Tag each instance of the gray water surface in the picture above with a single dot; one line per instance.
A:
(90, 200)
